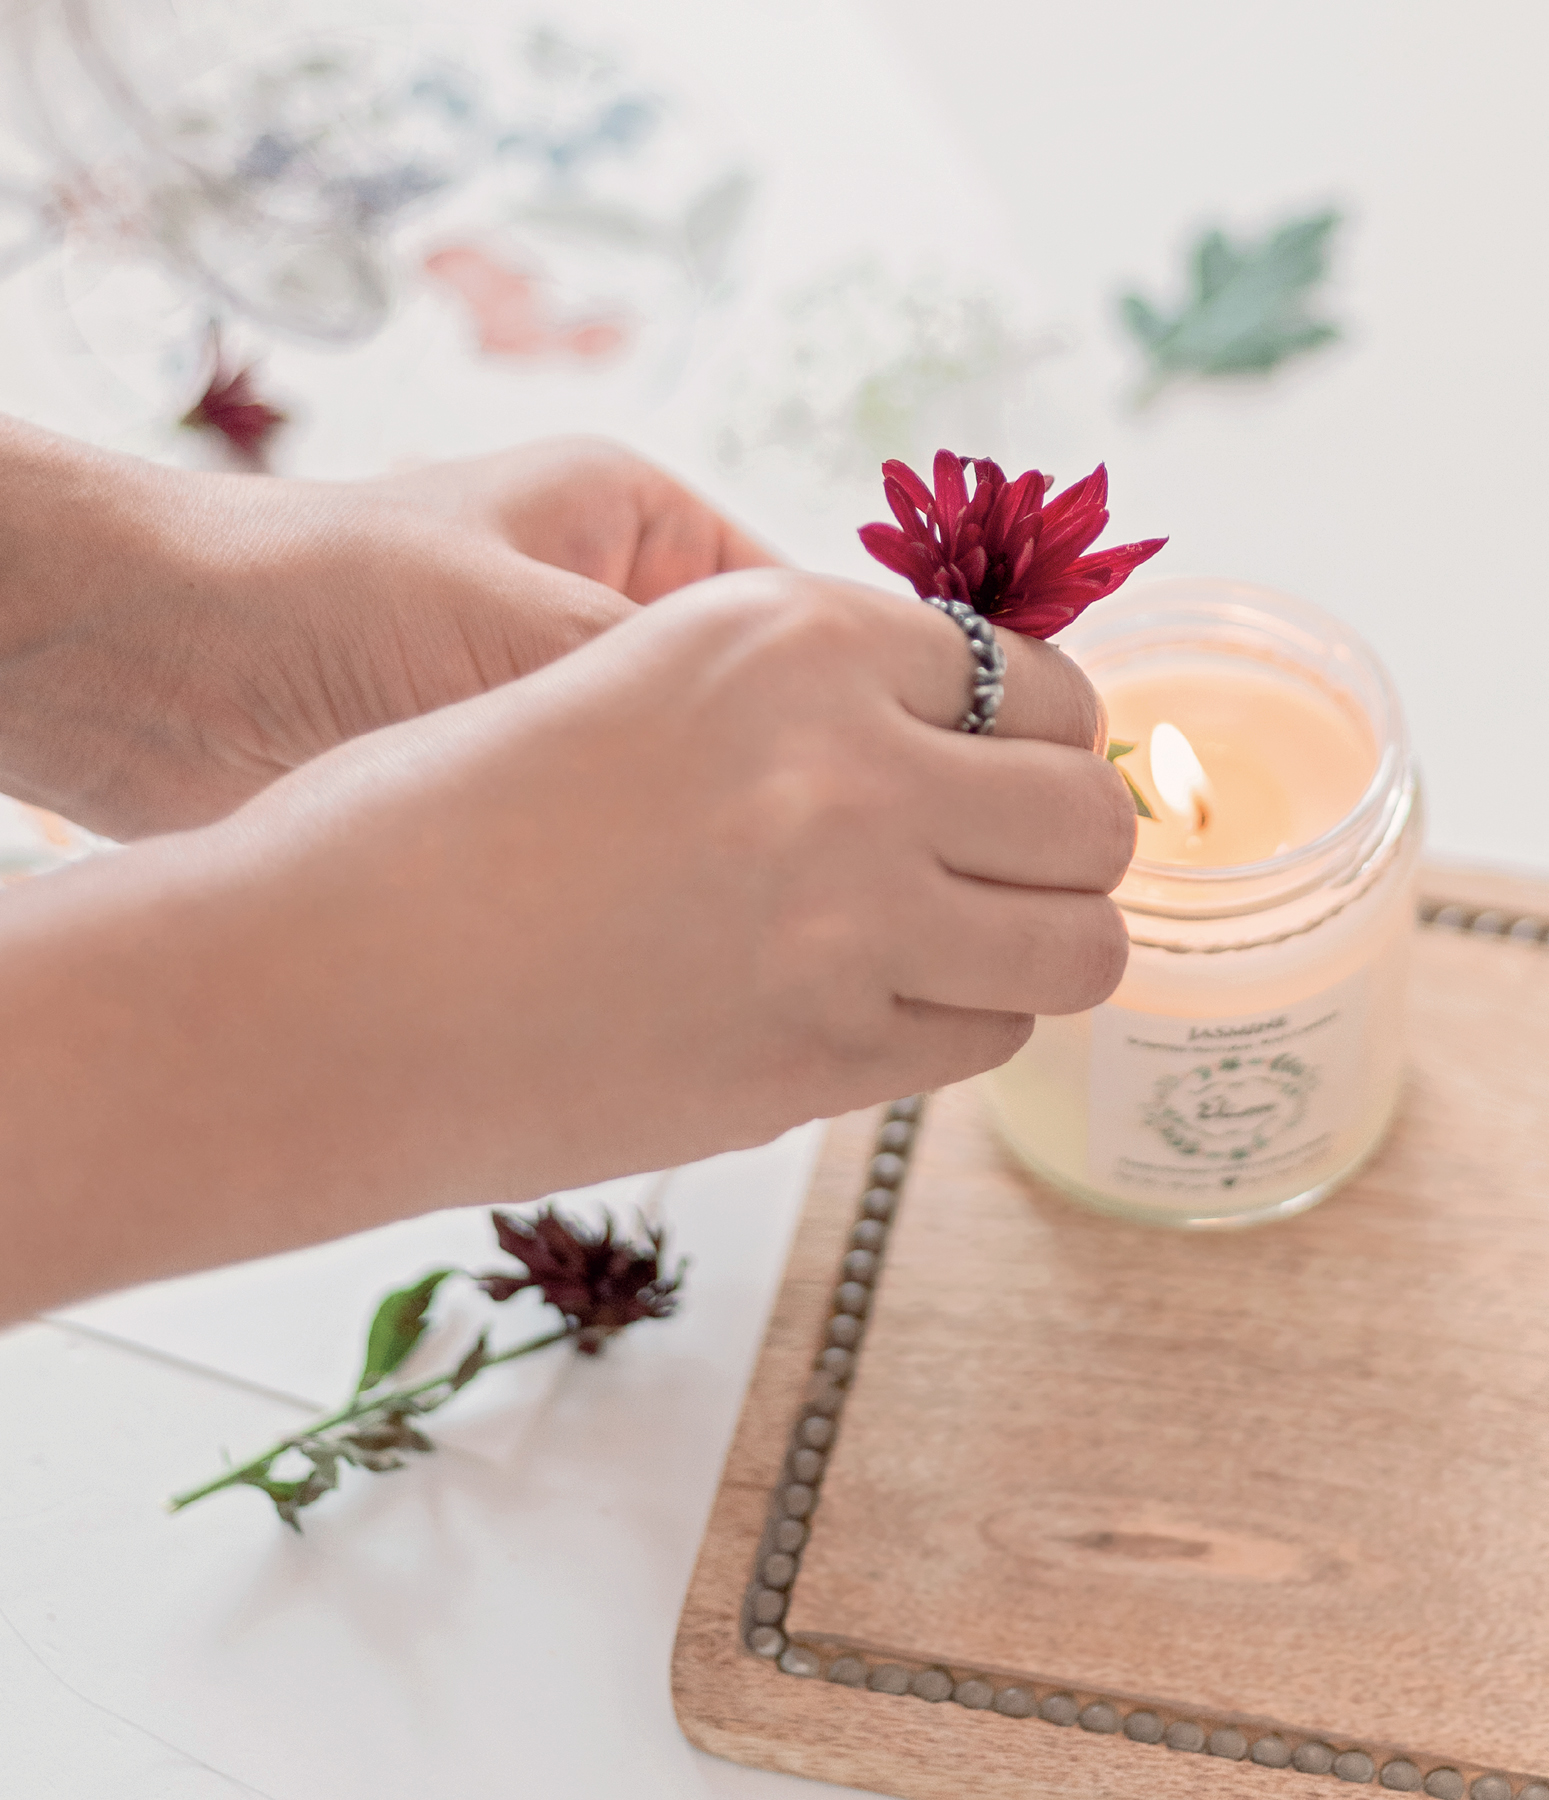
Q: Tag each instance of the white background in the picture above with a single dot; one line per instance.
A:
(1398, 479)
(498, 1620)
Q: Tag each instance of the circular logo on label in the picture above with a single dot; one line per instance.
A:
(1230, 1109)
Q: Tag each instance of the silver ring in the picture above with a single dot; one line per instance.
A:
(989, 671)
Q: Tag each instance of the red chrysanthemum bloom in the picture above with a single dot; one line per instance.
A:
(601, 1283)
(1002, 550)
(232, 405)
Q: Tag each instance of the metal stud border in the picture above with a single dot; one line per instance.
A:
(796, 1494)
(1485, 921)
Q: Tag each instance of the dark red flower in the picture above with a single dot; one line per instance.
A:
(231, 405)
(599, 1282)
(1002, 550)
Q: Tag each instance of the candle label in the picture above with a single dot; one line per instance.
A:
(1195, 1108)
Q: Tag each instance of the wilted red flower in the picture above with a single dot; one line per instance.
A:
(599, 1282)
(1003, 551)
(231, 405)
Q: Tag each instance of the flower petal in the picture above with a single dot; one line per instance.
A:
(1074, 519)
(1027, 530)
(1111, 568)
(951, 489)
(989, 485)
(1022, 569)
(974, 565)
(906, 478)
(905, 511)
(512, 1233)
(917, 563)
(1010, 502)
(1033, 618)
(890, 547)
(1091, 490)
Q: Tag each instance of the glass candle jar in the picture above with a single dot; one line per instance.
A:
(1251, 1059)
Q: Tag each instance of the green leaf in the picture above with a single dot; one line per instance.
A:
(399, 1325)
(471, 1364)
(1249, 309)
(1135, 794)
(1117, 748)
(290, 1496)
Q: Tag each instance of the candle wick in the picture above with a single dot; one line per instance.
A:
(1201, 813)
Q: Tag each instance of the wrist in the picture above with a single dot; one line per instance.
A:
(82, 568)
(58, 506)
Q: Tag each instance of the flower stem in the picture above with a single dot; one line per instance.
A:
(373, 1400)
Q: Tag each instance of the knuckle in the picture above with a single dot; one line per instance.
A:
(838, 1026)
(812, 802)
(819, 637)
(823, 632)
(783, 602)
(829, 618)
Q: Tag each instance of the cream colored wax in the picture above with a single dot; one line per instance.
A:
(1251, 1058)
(1283, 762)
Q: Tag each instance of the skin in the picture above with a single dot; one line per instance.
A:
(170, 642)
(467, 873)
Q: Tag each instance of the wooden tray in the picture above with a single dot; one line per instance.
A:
(1073, 1499)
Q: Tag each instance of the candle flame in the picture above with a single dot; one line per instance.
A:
(1179, 776)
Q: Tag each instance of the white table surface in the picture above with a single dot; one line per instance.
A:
(498, 1619)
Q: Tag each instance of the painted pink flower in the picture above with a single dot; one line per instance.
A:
(232, 405)
(512, 311)
(1003, 550)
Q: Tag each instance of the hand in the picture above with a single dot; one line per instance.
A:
(171, 642)
(588, 506)
(720, 871)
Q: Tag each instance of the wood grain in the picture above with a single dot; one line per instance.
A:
(1290, 1477)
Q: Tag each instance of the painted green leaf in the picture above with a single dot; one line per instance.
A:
(1249, 308)
(398, 1326)
(1116, 749)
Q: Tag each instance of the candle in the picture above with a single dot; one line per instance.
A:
(1244, 765)
(1252, 1056)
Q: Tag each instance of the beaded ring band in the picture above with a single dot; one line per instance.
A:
(989, 664)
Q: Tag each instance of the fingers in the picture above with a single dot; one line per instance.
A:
(933, 1046)
(1012, 950)
(1046, 695)
(590, 507)
(545, 613)
(1031, 813)
(739, 551)
(683, 540)
(644, 532)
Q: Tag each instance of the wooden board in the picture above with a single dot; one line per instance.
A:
(1280, 1495)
